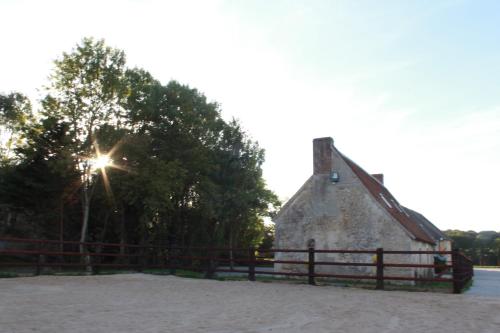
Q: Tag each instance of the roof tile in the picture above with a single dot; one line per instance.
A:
(409, 221)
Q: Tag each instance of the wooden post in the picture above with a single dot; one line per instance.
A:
(61, 235)
(251, 263)
(140, 258)
(154, 257)
(456, 270)
(310, 265)
(471, 267)
(209, 274)
(61, 227)
(95, 262)
(380, 268)
(38, 259)
(171, 261)
(61, 257)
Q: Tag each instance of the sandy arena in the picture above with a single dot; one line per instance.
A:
(148, 303)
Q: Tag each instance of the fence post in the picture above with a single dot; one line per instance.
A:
(140, 258)
(251, 263)
(96, 261)
(310, 265)
(38, 259)
(171, 261)
(455, 254)
(209, 274)
(61, 257)
(471, 264)
(380, 268)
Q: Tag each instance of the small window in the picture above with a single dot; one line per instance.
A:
(385, 200)
(334, 177)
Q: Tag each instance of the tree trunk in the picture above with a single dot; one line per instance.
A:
(83, 236)
(85, 220)
(231, 253)
(123, 233)
(105, 227)
(61, 226)
(98, 249)
(88, 190)
(61, 232)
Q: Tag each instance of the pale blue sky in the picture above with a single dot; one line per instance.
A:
(407, 88)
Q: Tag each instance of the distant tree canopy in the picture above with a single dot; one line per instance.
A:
(15, 119)
(180, 172)
(482, 247)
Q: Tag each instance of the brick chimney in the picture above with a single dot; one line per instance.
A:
(379, 177)
(322, 155)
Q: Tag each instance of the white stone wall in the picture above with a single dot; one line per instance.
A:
(423, 259)
(342, 216)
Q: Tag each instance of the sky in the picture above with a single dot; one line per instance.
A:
(410, 89)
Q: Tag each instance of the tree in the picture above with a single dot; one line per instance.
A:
(16, 119)
(186, 174)
(497, 249)
(268, 241)
(86, 91)
(482, 247)
(43, 180)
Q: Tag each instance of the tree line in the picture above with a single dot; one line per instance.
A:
(482, 247)
(175, 171)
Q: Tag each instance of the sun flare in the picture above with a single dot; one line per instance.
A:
(101, 162)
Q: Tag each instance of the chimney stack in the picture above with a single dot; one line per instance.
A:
(322, 155)
(379, 177)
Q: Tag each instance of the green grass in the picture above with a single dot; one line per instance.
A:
(261, 279)
(6, 275)
(189, 274)
(443, 287)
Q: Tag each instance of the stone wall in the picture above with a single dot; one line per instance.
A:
(342, 215)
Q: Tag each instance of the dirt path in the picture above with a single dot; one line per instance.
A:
(486, 282)
(146, 303)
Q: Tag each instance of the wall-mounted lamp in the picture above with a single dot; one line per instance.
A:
(334, 177)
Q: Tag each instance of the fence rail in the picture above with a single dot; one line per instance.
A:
(206, 259)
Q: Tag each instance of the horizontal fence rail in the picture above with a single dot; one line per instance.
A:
(40, 253)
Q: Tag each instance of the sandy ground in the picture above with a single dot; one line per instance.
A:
(147, 303)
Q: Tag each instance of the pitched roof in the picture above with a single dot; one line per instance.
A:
(427, 225)
(416, 224)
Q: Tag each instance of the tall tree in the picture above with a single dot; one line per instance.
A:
(482, 247)
(187, 175)
(16, 119)
(43, 180)
(86, 91)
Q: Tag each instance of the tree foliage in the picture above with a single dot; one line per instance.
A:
(482, 247)
(180, 172)
(16, 119)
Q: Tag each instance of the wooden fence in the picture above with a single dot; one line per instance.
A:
(38, 254)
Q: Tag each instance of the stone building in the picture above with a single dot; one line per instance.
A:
(341, 206)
